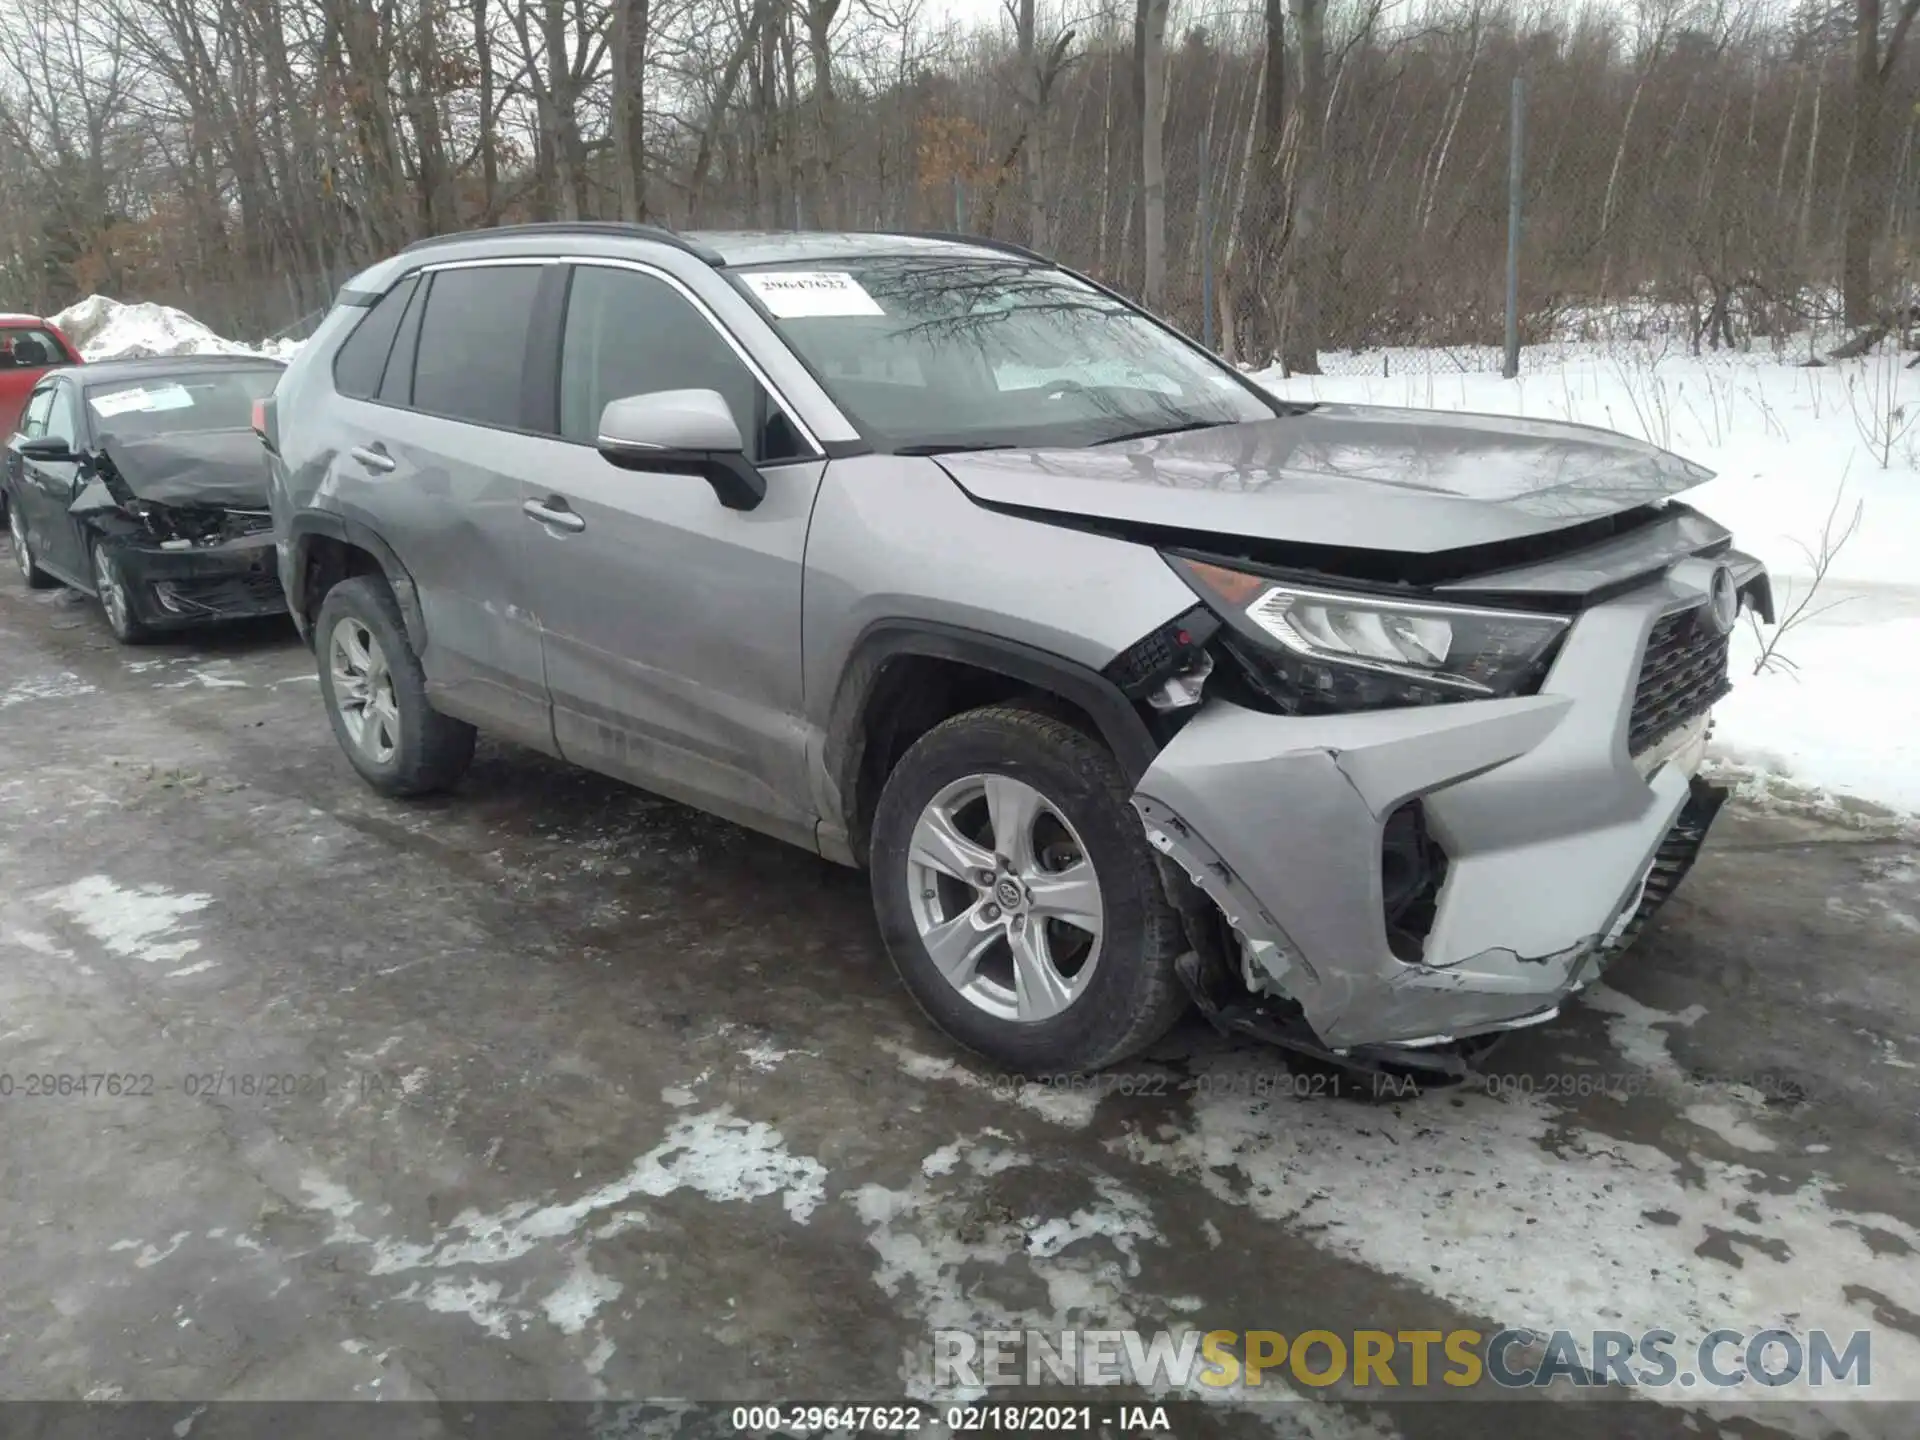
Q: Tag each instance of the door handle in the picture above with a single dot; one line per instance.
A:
(554, 513)
(373, 458)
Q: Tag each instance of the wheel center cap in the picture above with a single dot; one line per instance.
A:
(1008, 892)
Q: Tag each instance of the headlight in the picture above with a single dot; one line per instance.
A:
(1346, 650)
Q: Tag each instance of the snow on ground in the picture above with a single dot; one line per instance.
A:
(106, 329)
(1786, 442)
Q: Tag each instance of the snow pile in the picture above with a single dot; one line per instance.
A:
(106, 329)
(1784, 441)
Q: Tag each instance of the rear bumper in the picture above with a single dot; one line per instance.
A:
(1557, 843)
(181, 587)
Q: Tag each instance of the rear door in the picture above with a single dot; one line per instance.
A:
(433, 446)
(671, 624)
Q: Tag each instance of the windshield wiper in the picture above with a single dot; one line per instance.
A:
(1154, 430)
(949, 447)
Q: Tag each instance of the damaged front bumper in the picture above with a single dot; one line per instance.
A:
(181, 585)
(1557, 842)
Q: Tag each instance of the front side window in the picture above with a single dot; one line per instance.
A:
(633, 334)
(932, 353)
(60, 420)
(179, 404)
(33, 422)
(471, 355)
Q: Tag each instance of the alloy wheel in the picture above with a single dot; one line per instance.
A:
(363, 690)
(17, 530)
(1005, 898)
(113, 594)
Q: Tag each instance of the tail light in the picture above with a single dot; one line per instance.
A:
(263, 424)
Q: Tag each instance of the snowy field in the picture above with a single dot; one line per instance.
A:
(1839, 720)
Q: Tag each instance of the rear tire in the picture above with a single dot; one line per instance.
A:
(21, 541)
(1004, 842)
(376, 694)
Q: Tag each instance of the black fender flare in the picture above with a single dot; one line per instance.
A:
(1121, 726)
(344, 528)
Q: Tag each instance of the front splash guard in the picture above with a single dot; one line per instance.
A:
(1673, 859)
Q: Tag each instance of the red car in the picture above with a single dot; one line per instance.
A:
(29, 347)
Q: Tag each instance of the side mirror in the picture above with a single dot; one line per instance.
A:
(46, 447)
(686, 432)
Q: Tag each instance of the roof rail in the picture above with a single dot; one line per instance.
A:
(619, 229)
(982, 242)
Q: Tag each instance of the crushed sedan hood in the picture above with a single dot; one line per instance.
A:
(220, 469)
(1359, 477)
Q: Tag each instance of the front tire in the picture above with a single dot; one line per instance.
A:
(36, 578)
(1018, 897)
(110, 585)
(376, 694)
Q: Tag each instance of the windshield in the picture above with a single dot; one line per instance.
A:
(935, 354)
(179, 404)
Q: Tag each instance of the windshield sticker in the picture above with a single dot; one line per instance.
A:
(141, 400)
(795, 294)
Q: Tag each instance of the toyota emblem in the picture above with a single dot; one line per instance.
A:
(1723, 600)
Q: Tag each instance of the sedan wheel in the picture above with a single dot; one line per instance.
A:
(363, 689)
(1004, 897)
(17, 532)
(111, 586)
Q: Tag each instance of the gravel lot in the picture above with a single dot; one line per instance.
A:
(552, 1089)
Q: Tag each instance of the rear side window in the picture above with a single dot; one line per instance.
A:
(358, 366)
(470, 359)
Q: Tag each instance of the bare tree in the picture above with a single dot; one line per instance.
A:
(1150, 48)
(1867, 164)
(1308, 284)
(629, 46)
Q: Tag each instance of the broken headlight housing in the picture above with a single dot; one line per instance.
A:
(1307, 648)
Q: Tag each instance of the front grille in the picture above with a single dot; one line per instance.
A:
(1683, 674)
(244, 593)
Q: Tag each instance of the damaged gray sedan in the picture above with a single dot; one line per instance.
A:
(141, 483)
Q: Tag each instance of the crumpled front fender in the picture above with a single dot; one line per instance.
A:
(1279, 820)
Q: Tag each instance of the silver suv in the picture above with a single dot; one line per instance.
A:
(1371, 731)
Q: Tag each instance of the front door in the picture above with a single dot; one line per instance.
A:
(48, 486)
(670, 624)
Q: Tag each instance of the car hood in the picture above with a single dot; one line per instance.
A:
(1366, 477)
(221, 469)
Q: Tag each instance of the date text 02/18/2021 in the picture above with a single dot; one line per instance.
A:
(910, 1418)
